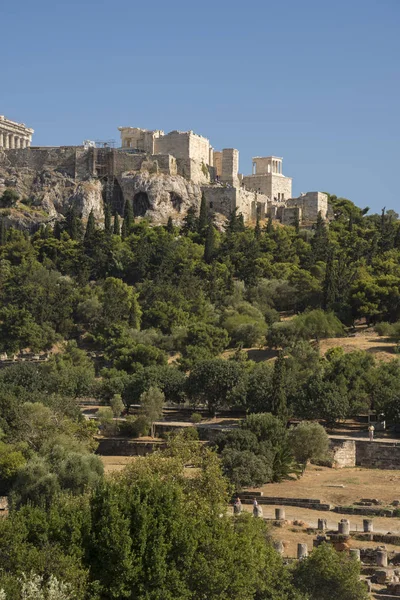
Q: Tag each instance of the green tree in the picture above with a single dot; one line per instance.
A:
(278, 393)
(9, 198)
(328, 574)
(210, 243)
(116, 225)
(129, 219)
(151, 406)
(203, 216)
(107, 219)
(217, 383)
(309, 441)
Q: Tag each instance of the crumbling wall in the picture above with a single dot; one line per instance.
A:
(311, 204)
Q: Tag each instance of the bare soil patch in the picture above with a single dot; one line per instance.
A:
(358, 483)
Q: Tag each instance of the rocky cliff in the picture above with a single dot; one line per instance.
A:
(46, 195)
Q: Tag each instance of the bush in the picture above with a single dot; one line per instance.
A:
(309, 441)
(196, 417)
(244, 468)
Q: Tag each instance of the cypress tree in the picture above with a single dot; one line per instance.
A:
(269, 228)
(107, 220)
(123, 229)
(203, 216)
(90, 229)
(117, 227)
(320, 241)
(210, 243)
(232, 223)
(240, 223)
(278, 400)
(170, 225)
(190, 222)
(257, 228)
(3, 233)
(57, 230)
(129, 219)
(330, 282)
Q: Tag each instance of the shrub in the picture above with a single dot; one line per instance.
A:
(196, 417)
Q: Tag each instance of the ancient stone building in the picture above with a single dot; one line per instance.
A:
(14, 135)
(161, 175)
(267, 178)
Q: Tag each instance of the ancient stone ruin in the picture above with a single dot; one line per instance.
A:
(161, 175)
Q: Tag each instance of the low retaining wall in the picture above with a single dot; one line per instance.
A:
(127, 447)
(363, 453)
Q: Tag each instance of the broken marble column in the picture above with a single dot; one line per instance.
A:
(302, 551)
(355, 553)
(368, 525)
(279, 514)
(344, 527)
(279, 547)
(322, 524)
(381, 558)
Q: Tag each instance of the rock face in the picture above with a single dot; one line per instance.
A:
(159, 196)
(45, 196)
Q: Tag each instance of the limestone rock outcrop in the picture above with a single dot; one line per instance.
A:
(45, 196)
(158, 196)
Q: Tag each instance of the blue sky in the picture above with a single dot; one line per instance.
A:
(313, 81)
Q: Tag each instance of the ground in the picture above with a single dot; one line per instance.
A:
(365, 338)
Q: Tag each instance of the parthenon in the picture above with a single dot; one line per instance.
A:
(14, 135)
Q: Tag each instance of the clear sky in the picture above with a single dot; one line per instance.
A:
(316, 82)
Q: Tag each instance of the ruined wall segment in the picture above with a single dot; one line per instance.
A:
(311, 204)
(139, 139)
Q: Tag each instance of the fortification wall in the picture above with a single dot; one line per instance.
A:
(199, 148)
(195, 171)
(225, 199)
(311, 204)
(65, 159)
(291, 215)
(220, 199)
(277, 187)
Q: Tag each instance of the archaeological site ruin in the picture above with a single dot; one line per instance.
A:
(162, 175)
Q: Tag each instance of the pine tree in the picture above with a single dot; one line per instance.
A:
(210, 244)
(90, 229)
(3, 233)
(107, 220)
(129, 219)
(203, 216)
(117, 227)
(278, 399)
(170, 225)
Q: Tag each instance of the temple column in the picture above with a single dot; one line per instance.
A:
(16, 142)
(11, 141)
(1, 139)
(6, 140)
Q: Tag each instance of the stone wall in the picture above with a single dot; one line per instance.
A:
(184, 145)
(62, 159)
(225, 199)
(311, 204)
(127, 447)
(139, 139)
(291, 215)
(277, 187)
(363, 453)
(230, 166)
(343, 452)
